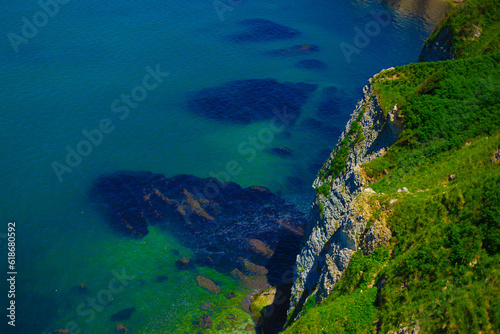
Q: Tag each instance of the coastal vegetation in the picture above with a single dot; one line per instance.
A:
(440, 271)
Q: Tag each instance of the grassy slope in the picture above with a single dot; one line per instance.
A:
(444, 262)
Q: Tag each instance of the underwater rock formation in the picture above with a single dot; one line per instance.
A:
(219, 221)
(124, 314)
(205, 321)
(245, 101)
(122, 198)
(281, 151)
(296, 50)
(206, 305)
(80, 288)
(230, 295)
(208, 284)
(261, 30)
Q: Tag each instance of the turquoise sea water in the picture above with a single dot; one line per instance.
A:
(64, 80)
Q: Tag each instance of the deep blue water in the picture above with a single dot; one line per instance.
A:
(64, 80)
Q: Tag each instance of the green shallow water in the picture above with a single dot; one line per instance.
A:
(139, 263)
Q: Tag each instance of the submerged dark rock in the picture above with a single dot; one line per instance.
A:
(311, 64)
(245, 101)
(208, 284)
(219, 221)
(206, 305)
(281, 151)
(122, 198)
(330, 104)
(205, 321)
(261, 30)
(124, 314)
(296, 50)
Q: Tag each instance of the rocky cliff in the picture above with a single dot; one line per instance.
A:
(338, 219)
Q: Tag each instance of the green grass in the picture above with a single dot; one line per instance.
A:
(321, 209)
(445, 261)
(443, 105)
(323, 190)
(339, 162)
(446, 234)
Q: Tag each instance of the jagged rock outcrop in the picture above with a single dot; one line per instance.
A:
(337, 221)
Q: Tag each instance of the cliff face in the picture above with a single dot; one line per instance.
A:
(338, 220)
